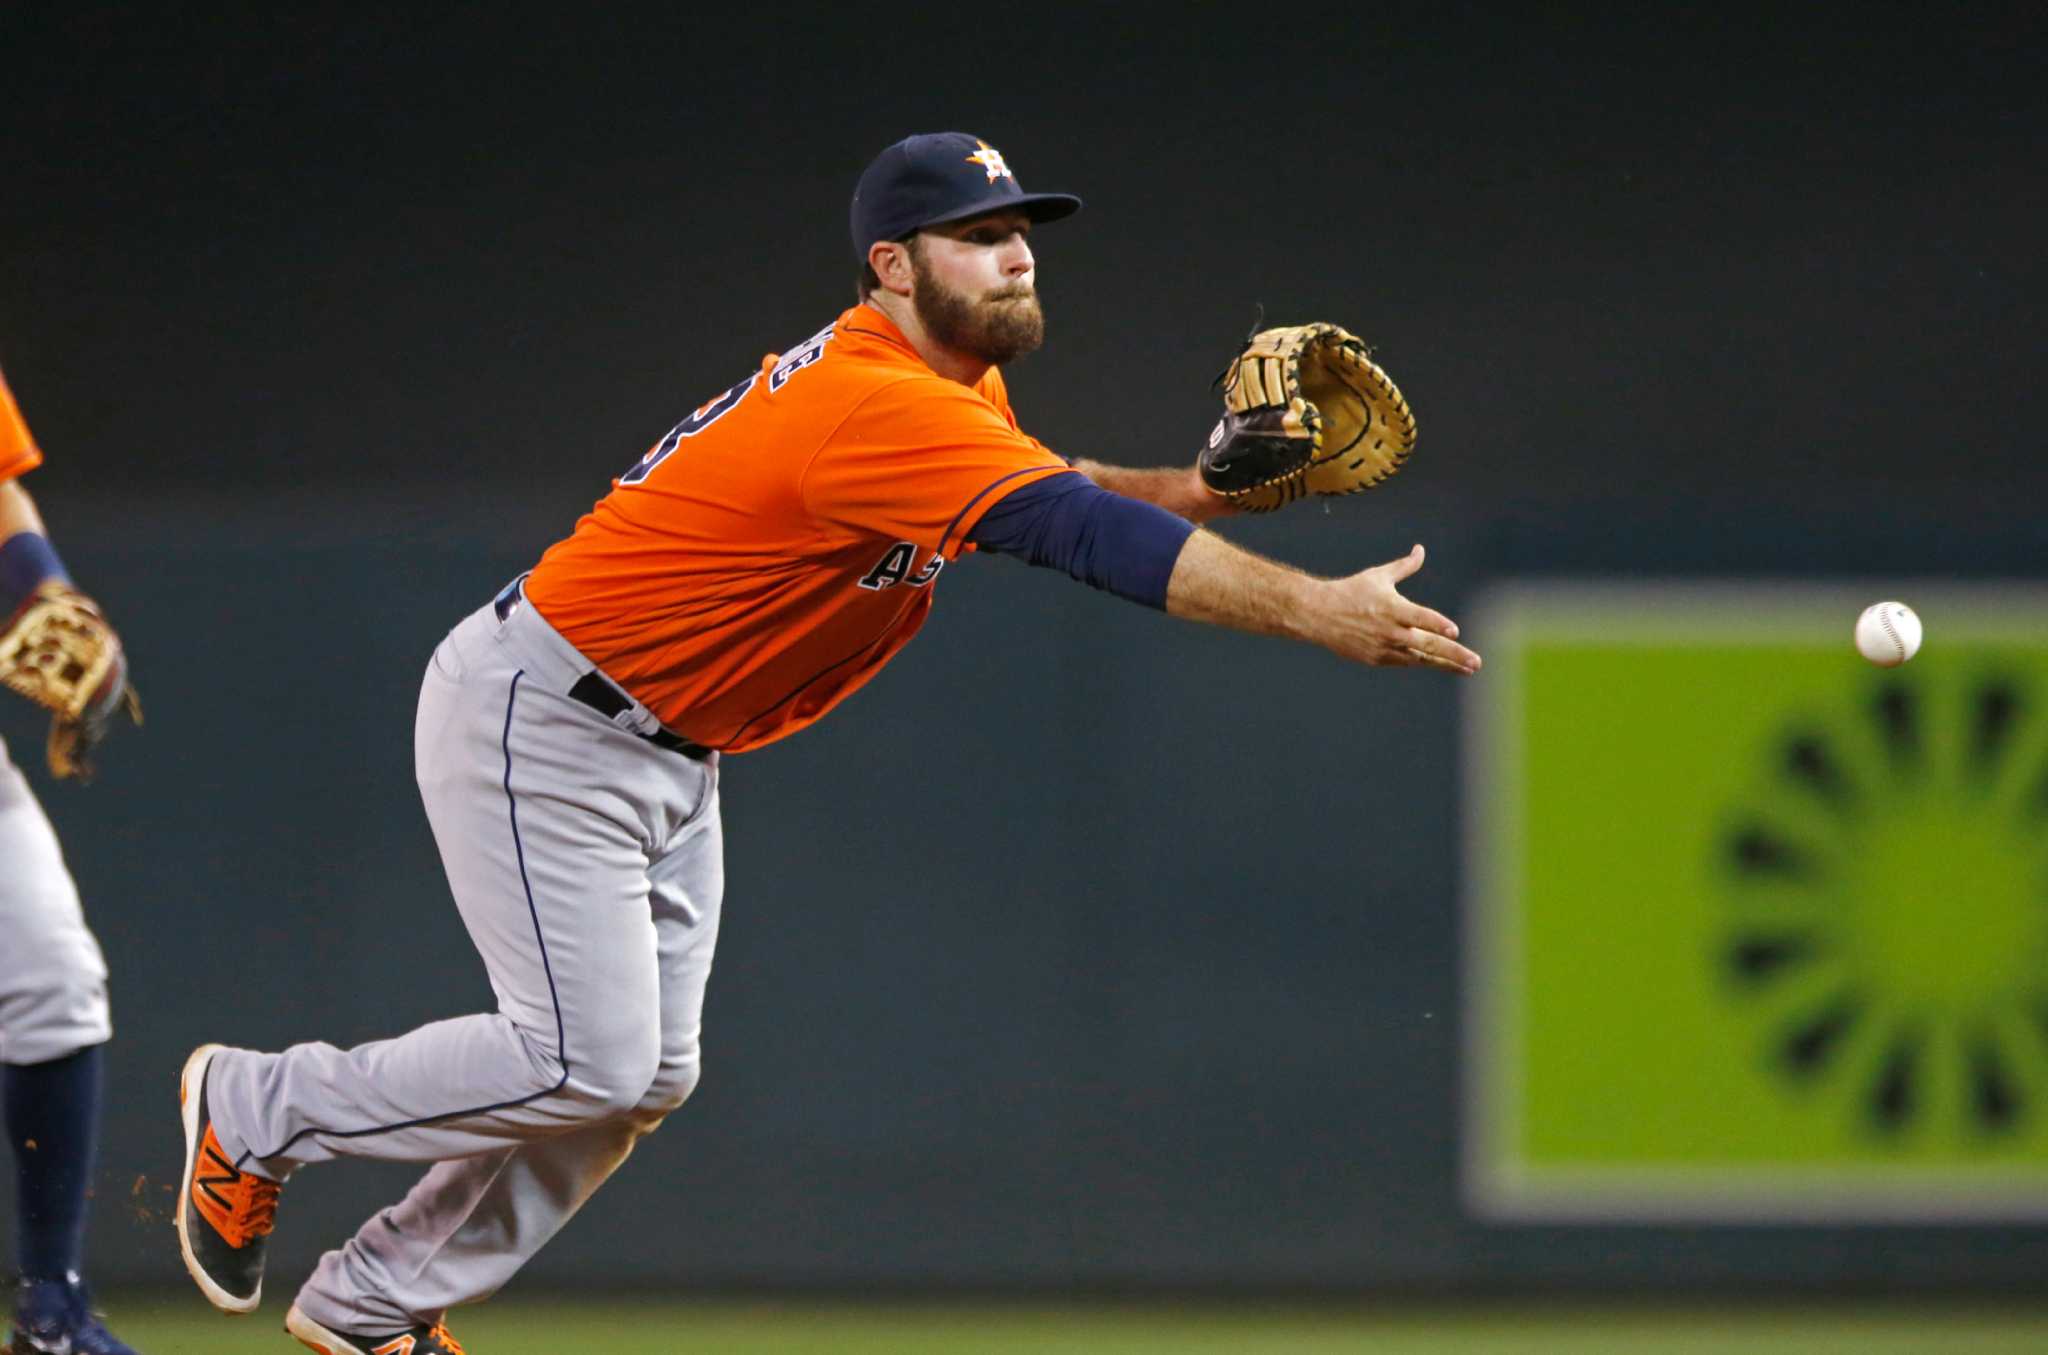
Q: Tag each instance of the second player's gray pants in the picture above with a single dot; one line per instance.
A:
(587, 866)
(53, 983)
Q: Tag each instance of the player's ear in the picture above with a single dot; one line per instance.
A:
(891, 261)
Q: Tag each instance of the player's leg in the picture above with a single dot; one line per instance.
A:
(542, 812)
(547, 864)
(469, 1225)
(53, 1022)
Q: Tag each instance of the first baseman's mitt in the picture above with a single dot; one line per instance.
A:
(59, 652)
(1305, 411)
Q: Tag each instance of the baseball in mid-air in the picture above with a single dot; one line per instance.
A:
(1888, 633)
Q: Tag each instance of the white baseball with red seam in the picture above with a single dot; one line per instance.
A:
(1888, 633)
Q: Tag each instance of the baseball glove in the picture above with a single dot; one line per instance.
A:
(1305, 411)
(59, 652)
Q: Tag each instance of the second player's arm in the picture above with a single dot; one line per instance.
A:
(26, 556)
(18, 511)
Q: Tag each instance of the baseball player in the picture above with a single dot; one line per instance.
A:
(757, 566)
(53, 983)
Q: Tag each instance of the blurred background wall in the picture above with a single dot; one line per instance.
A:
(1087, 948)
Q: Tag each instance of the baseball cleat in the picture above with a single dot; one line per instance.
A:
(224, 1214)
(420, 1340)
(54, 1317)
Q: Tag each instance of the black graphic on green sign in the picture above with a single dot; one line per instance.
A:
(1890, 869)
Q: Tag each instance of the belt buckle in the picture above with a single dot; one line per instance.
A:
(509, 597)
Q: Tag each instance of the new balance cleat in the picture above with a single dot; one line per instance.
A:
(420, 1340)
(225, 1214)
(55, 1317)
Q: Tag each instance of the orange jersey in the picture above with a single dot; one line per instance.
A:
(17, 449)
(779, 546)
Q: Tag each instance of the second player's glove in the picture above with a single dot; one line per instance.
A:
(59, 652)
(1305, 411)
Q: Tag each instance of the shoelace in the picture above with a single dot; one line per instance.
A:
(446, 1338)
(257, 1215)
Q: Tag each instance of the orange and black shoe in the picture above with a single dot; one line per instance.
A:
(420, 1340)
(224, 1214)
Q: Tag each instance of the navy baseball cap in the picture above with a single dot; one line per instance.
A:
(936, 177)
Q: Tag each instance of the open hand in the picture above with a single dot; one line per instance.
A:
(1364, 617)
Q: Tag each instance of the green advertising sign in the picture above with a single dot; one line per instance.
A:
(1757, 930)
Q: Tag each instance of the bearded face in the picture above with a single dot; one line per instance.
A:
(995, 327)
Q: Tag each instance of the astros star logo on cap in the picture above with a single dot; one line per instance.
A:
(990, 159)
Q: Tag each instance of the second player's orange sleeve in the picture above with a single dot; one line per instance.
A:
(921, 460)
(18, 451)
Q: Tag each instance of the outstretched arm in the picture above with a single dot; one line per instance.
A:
(1176, 489)
(1140, 552)
(1361, 617)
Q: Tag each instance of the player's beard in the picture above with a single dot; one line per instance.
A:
(1004, 324)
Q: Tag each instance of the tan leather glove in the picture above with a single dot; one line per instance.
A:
(59, 652)
(1305, 411)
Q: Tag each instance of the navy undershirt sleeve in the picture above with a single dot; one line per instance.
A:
(26, 559)
(1067, 522)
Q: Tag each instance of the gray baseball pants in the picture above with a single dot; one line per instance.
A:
(587, 865)
(53, 981)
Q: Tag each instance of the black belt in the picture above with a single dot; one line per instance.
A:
(599, 692)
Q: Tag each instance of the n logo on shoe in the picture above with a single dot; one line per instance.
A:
(397, 1345)
(208, 1185)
